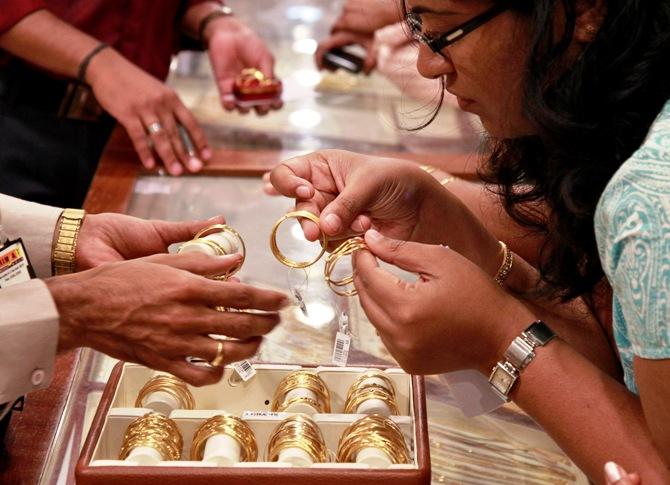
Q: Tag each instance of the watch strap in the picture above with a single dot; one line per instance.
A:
(67, 231)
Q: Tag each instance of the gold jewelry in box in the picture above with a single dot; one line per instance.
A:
(275, 248)
(156, 431)
(169, 385)
(347, 248)
(302, 379)
(65, 246)
(297, 431)
(373, 431)
(361, 391)
(228, 425)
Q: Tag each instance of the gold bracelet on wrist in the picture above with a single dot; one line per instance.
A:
(67, 231)
(506, 266)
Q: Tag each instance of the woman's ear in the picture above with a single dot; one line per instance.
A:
(589, 17)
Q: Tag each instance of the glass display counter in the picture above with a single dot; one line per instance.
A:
(361, 114)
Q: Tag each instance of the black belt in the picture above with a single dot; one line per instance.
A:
(22, 86)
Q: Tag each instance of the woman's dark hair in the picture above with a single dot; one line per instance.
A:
(588, 120)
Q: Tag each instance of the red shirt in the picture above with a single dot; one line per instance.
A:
(145, 31)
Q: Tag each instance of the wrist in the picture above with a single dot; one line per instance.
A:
(102, 66)
(221, 25)
(61, 291)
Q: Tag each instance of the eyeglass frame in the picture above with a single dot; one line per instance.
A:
(437, 44)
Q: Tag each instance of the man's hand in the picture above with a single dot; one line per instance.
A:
(157, 311)
(105, 238)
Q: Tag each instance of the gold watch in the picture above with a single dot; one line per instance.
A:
(65, 246)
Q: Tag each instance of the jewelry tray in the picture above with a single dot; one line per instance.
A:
(98, 462)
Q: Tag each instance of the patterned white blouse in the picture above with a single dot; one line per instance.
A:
(632, 226)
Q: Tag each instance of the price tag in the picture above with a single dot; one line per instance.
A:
(244, 369)
(261, 414)
(14, 264)
(341, 349)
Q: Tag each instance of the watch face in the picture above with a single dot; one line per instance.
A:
(501, 379)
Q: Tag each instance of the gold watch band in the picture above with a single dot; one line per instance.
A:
(67, 230)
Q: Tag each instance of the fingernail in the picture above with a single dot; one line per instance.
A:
(194, 164)
(303, 192)
(613, 472)
(149, 163)
(285, 303)
(176, 169)
(206, 154)
(373, 235)
(333, 222)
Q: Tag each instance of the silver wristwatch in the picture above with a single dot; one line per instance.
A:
(517, 357)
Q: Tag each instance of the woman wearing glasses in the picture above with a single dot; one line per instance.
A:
(572, 94)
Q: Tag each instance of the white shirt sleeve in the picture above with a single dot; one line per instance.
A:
(35, 225)
(29, 337)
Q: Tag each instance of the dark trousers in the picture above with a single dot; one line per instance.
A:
(44, 157)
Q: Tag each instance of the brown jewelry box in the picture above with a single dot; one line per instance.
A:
(89, 474)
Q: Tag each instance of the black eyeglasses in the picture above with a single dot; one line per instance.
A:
(415, 25)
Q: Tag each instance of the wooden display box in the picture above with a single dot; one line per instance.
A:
(250, 400)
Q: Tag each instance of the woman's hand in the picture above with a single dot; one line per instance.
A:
(150, 111)
(454, 316)
(159, 310)
(616, 475)
(233, 46)
(352, 193)
(105, 238)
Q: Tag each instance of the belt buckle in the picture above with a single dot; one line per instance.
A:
(79, 103)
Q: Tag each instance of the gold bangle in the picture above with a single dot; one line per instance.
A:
(373, 431)
(297, 431)
(170, 385)
(361, 391)
(278, 254)
(156, 431)
(506, 266)
(302, 379)
(218, 359)
(65, 247)
(219, 250)
(446, 180)
(345, 249)
(227, 425)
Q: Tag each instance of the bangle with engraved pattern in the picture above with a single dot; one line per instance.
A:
(67, 231)
(505, 266)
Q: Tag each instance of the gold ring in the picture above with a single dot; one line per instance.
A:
(278, 254)
(218, 360)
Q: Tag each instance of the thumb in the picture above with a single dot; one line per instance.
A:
(410, 256)
(173, 232)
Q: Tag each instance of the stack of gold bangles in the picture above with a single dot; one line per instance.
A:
(174, 387)
(301, 388)
(212, 237)
(368, 389)
(156, 431)
(348, 247)
(226, 425)
(301, 432)
(372, 432)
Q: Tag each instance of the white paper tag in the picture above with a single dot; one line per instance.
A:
(341, 349)
(261, 414)
(14, 264)
(244, 369)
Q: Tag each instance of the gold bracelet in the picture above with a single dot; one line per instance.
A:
(506, 266)
(171, 385)
(156, 431)
(302, 379)
(280, 256)
(363, 390)
(297, 431)
(347, 248)
(64, 250)
(373, 431)
(227, 425)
